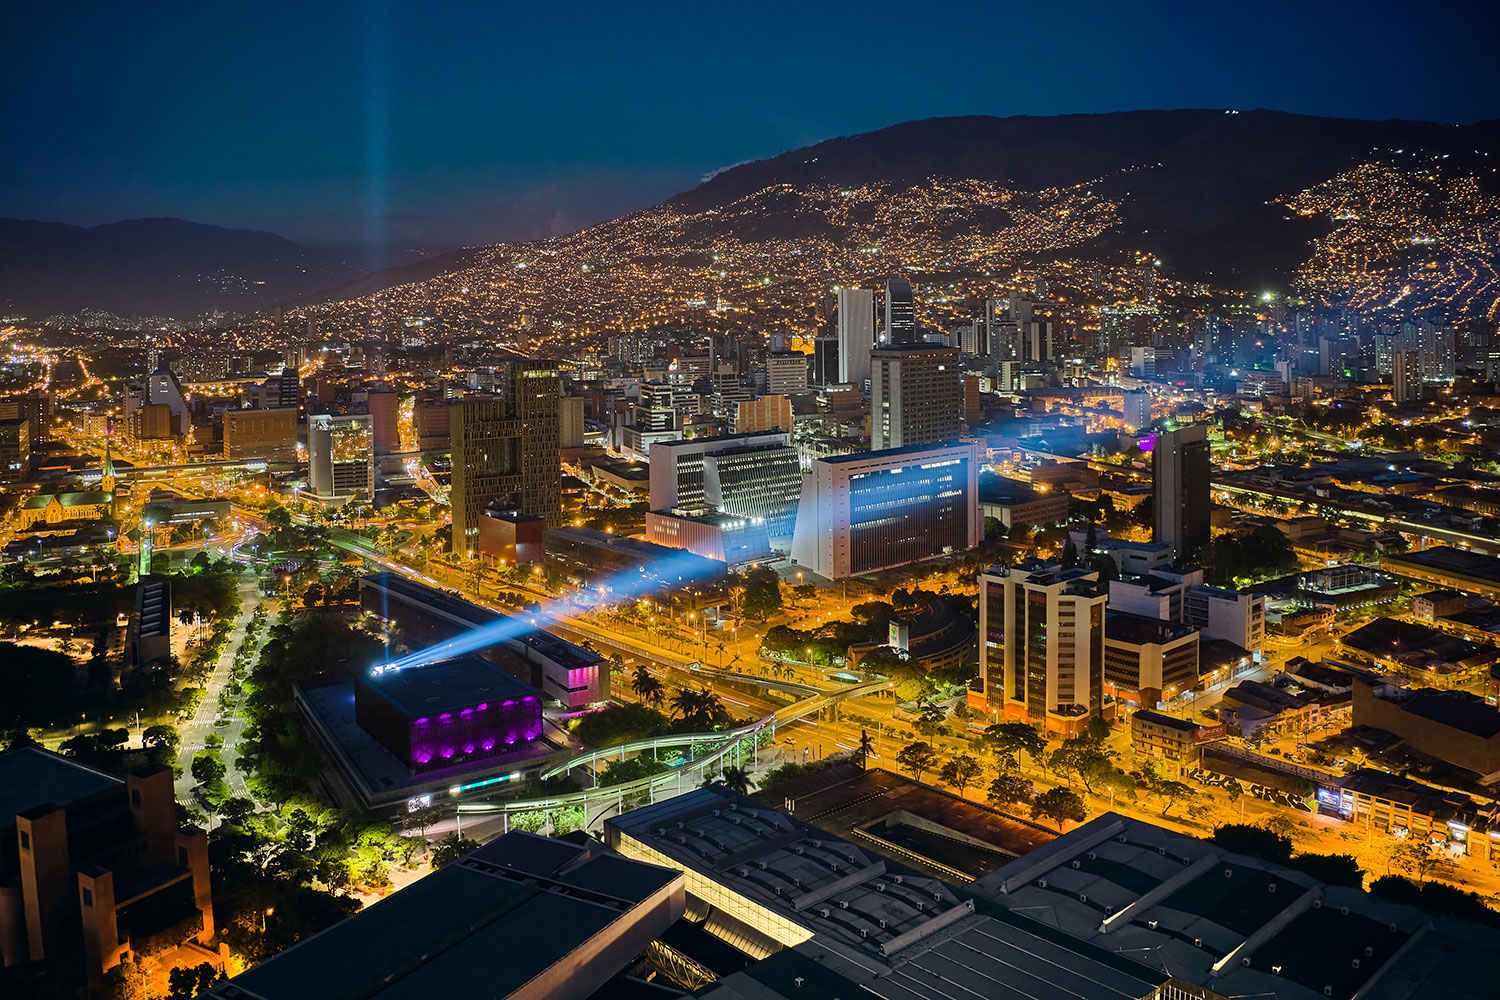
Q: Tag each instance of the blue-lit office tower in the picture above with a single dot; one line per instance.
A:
(871, 511)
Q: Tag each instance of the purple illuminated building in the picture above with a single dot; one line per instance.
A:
(448, 713)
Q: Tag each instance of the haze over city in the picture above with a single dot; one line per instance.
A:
(918, 502)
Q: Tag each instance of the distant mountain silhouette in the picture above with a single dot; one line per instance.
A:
(157, 266)
(1203, 190)
(1201, 204)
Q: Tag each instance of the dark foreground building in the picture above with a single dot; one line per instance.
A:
(94, 868)
(523, 917)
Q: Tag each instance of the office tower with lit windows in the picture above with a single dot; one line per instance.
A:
(914, 396)
(870, 511)
(341, 456)
(786, 373)
(900, 313)
(856, 326)
(1180, 471)
(506, 451)
(268, 434)
(1041, 654)
(1406, 377)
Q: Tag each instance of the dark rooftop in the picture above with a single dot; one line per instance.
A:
(1140, 630)
(483, 926)
(1455, 709)
(447, 686)
(31, 776)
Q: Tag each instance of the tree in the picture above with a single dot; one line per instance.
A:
(930, 719)
(762, 593)
(161, 736)
(1009, 789)
(865, 750)
(1420, 860)
(736, 780)
(312, 595)
(918, 758)
(1059, 805)
(647, 688)
(1086, 759)
(1171, 791)
(1256, 841)
(1011, 739)
(451, 848)
(207, 767)
(960, 772)
(1069, 553)
(236, 810)
(186, 982)
(17, 736)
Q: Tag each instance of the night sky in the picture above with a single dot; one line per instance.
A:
(439, 123)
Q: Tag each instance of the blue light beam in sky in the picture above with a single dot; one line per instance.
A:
(671, 571)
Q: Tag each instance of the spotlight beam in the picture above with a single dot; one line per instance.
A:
(672, 571)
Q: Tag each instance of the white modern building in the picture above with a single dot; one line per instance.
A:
(856, 334)
(1181, 596)
(870, 511)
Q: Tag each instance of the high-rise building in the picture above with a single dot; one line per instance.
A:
(1406, 377)
(1143, 362)
(1180, 470)
(570, 422)
(1041, 652)
(267, 434)
(825, 361)
(900, 313)
(870, 511)
(506, 452)
(914, 396)
(786, 373)
(385, 409)
(341, 456)
(1135, 410)
(657, 411)
(15, 449)
(856, 334)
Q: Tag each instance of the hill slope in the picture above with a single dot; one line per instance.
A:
(155, 266)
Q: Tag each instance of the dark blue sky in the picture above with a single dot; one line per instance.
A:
(439, 122)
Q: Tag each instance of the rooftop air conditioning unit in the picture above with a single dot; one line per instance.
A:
(1275, 970)
(1245, 962)
(1083, 897)
(1197, 942)
(1041, 883)
(1077, 865)
(1152, 924)
(1093, 856)
(797, 982)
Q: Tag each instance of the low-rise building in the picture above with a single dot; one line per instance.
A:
(1452, 726)
(1016, 504)
(1148, 660)
(1179, 742)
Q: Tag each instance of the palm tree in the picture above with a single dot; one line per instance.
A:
(736, 780)
(647, 688)
(865, 750)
